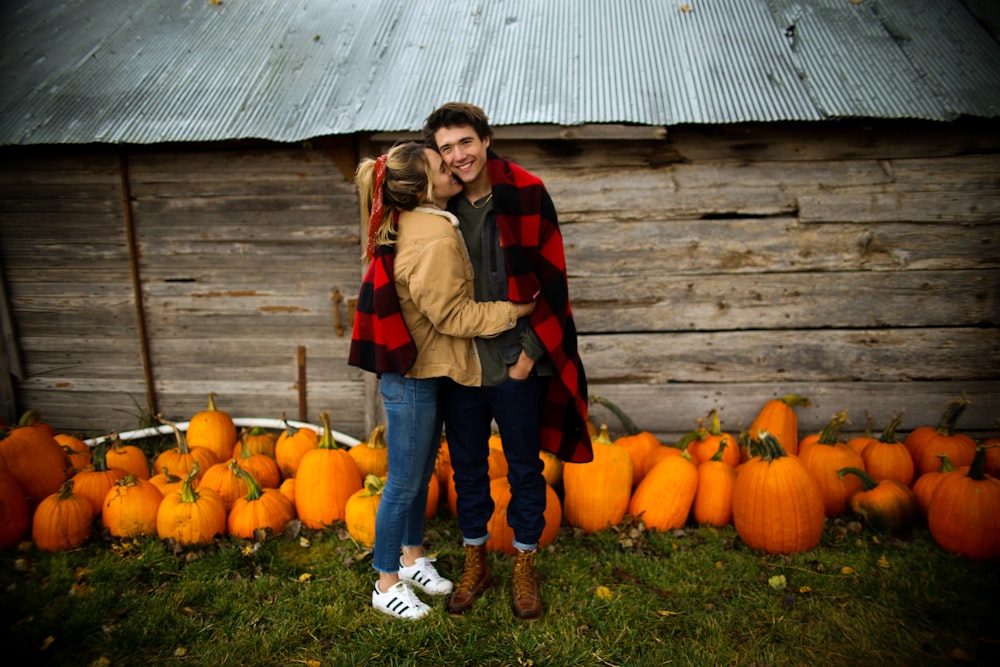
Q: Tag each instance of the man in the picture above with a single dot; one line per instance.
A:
(533, 380)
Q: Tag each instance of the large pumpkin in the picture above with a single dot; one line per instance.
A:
(596, 494)
(926, 442)
(927, 483)
(213, 429)
(62, 520)
(964, 514)
(33, 457)
(15, 514)
(824, 457)
(502, 535)
(664, 497)
(777, 505)
(713, 499)
(189, 516)
(222, 479)
(130, 507)
(326, 477)
(777, 417)
(638, 443)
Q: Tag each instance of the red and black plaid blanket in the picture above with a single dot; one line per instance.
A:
(536, 265)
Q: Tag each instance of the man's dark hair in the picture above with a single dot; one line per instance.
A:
(454, 114)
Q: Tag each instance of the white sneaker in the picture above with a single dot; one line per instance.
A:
(424, 576)
(399, 601)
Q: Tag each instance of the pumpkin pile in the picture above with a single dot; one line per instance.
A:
(775, 488)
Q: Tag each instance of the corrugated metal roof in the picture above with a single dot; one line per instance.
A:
(148, 71)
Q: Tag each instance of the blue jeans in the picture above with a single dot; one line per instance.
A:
(516, 405)
(413, 433)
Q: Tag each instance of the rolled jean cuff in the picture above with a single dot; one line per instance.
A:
(520, 546)
(476, 541)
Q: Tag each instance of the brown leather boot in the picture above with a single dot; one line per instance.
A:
(527, 601)
(475, 579)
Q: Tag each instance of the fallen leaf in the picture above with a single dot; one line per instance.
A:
(602, 593)
(664, 612)
(777, 582)
(884, 563)
(304, 577)
(847, 570)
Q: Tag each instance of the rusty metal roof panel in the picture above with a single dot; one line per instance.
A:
(150, 71)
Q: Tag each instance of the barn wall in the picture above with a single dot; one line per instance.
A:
(858, 265)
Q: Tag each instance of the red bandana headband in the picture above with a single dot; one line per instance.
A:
(375, 219)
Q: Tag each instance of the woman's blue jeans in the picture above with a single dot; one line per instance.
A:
(413, 433)
(516, 405)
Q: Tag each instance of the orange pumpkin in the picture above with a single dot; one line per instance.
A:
(94, 481)
(777, 417)
(189, 516)
(167, 481)
(502, 535)
(887, 505)
(777, 505)
(182, 458)
(261, 512)
(130, 507)
(927, 483)
(129, 458)
(964, 514)
(62, 520)
(824, 457)
(287, 489)
(213, 429)
(859, 442)
(33, 457)
(888, 458)
(713, 499)
(664, 497)
(77, 451)
(703, 443)
(223, 479)
(552, 468)
(263, 468)
(596, 494)
(327, 476)
(292, 445)
(15, 514)
(372, 455)
(636, 442)
(361, 510)
(926, 442)
(433, 497)
(256, 440)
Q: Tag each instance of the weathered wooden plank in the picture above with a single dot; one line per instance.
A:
(774, 245)
(670, 410)
(952, 206)
(653, 301)
(870, 355)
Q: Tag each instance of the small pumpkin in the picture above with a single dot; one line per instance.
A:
(62, 520)
(596, 494)
(292, 445)
(191, 517)
(326, 477)
(713, 499)
(167, 481)
(181, 459)
(263, 468)
(703, 443)
(256, 440)
(885, 505)
(926, 442)
(777, 416)
(222, 479)
(128, 457)
(261, 512)
(213, 429)
(888, 458)
(824, 457)
(362, 508)
(130, 507)
(94, 481)
(777, 505)
(927, 483)
(964, 514)
(372, 455)
(636, 442)
(502, 535)
(664, 497)
(77, 451)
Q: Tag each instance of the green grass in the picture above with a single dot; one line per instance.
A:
(620, 597)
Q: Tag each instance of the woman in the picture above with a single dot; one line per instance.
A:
(415, 322)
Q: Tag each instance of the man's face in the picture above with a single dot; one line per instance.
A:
(464, 152)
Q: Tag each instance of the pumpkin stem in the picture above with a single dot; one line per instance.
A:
(99, 460)
(717, 456)
(830, 433)
(29, 417)
(889, 433)
(254, 491)
(211, 401)
(867, 483)
(188, 493)
(169, 476)
(977, 470)
(289, 429)
(66, 490)
(182, 445)
(327, 441)
(770, 448)
(627, 423)
(377, 438)
(792, 400)
(952, 411)
(373, 485)
(946, 465)
(603, 436)
(868, 425)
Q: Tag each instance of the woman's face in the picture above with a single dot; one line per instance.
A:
(444, 185)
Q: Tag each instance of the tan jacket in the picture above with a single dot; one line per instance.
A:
(436, 289)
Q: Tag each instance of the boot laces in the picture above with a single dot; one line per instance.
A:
(473, 570)
(524, 574)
